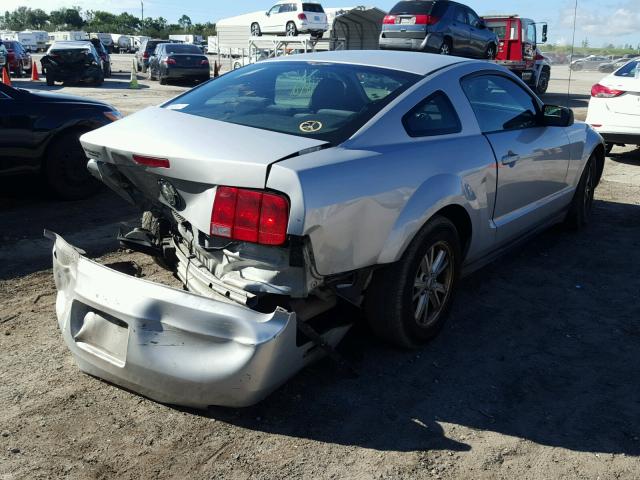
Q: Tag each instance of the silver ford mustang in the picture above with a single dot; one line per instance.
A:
(374, 177)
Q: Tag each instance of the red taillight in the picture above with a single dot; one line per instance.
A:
(170, 61)
(389, 20)
(204, 62)
(302, 16)
(151, 161)
(601, 91)
(250, 216)
(145, 55)
(426, 19)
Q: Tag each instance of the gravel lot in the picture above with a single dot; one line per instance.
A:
(536, 375)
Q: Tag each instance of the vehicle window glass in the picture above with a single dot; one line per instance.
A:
(631, 69)
(529, 33)
(284, 8)
(293, 7)
(499, 28)
(435, 115)
(499, 103)
(275, 9)
(413, 7)
(377, 86)
(325, 101)
(181, 48)
(474, 21)
(460, 15)
(312, 7)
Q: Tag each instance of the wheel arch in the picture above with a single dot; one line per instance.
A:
(82, 127)
(599, 154)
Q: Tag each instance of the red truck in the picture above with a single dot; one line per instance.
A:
(518, 49)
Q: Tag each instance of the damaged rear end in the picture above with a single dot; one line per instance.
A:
(234, 335)
(71, 64)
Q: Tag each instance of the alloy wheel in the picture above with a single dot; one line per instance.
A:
(444, 49)
(291, 30)
(432, 284)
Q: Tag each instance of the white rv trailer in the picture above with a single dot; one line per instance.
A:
(68, 36)
(122, 43)
(195, 39)
(34, 40)
(105, 39)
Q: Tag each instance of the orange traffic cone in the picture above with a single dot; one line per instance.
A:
(34, 72)
(216, 70)
(5, 77)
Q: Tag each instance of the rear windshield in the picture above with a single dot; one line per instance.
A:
(324, 101)
(151, 46)
(413, 7)
(312, 7)
(70, 55)
(631, 69)
(181, 48)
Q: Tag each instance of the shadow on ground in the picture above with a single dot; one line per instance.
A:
(541, 345)
(630, 157)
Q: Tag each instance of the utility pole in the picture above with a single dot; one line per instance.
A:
(142, 8)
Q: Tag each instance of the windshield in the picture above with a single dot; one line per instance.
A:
(180, 48)
(631, 69)
(323, 101)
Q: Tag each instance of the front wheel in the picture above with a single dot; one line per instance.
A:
(407, 302)
(65, 168)
(255, 30)
(582, 204)
(543, 82)
(50, 81)
(291, 29)
(490, 52)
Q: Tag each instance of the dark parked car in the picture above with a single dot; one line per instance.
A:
(104, 56)
(178, 61)
(18, 58)
(73, 62)
(147, 47)
(439, 26)
(39, 133)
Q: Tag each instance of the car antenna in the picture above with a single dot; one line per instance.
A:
(573, 42)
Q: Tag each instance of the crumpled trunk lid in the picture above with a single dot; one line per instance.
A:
(71, 60)
(198, 149)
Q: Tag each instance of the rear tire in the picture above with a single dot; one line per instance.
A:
(65, 168)
(446, 48)
(162, 80)
(608, 147)
(407, 302)
(582, 204)
(50, 81)
(291, 30)
(159, 230)
(490, 52)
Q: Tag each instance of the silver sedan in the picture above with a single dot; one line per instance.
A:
(278, 189)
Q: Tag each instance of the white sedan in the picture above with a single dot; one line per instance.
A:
(614, 108)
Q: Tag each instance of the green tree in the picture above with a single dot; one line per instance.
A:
(185, 23)
(64, 18)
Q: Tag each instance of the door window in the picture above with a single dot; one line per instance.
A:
(274, 10)
(499, 103)
(460, 15)
(474, 21)
(435, 115)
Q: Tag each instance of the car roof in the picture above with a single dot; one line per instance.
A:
(72, 44)
(412, 62)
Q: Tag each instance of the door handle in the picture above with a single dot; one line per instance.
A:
(510, 159)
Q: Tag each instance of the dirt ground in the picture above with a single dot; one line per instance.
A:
(535, 376)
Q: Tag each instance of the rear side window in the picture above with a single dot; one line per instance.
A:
(413, 7)
(435, 115)
(631, 69)
(312, 7)
(499, 104)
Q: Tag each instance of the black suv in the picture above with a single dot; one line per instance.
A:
(147, 47)
(439, 26)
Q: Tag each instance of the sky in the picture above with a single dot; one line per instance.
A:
(599, 21)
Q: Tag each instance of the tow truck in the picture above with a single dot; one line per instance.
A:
(518, 49)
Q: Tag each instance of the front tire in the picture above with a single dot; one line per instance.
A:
(543, 82)
(255, 30)
(50, 81)
(582, 204)
(158, 229)
(490, 52)
(65, 168)
(407, 302)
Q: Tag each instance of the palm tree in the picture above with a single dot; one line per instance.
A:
(185, 23)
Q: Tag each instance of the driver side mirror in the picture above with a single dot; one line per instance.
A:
(482, 25)
(555, 116)
(267, 13)
(544, 33)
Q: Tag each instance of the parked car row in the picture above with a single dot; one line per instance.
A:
(17, 58)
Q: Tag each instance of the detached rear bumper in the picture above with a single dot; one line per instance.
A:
(170, 345)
